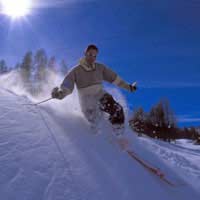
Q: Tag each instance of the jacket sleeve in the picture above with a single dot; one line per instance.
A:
(108, 74)
(67, 85)
(112, 77)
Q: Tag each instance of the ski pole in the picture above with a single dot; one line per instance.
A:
(43, 101)
(35, 104)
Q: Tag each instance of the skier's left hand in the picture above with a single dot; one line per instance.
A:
(133, 87)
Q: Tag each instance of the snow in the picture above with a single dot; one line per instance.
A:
(189, 144)
(182, 157)
(50, 153)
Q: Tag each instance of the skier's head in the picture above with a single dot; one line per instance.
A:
(91, 53)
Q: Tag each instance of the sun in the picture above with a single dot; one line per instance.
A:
(15, 8)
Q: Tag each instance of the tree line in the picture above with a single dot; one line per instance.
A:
(35, 70)
(160, 123)
(3, 67)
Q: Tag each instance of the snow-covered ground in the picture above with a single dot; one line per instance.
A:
(188, 144)
(50, 153)
(183, 157)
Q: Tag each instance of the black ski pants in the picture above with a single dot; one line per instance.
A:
(113, 108)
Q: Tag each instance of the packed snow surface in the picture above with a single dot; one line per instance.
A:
(49, 152)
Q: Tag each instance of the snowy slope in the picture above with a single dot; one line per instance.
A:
(183, 157)
(60, 158)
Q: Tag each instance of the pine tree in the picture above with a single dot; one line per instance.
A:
(25, 69)
(40, 64)
(155, 120)
(170, 119)
(3, 67)
(162, 121)
(197, 142)
(63, 67)
(137, 122)
(52, 64)
(17, 67)
(194, 133)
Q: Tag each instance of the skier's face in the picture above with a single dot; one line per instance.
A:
(90, 56)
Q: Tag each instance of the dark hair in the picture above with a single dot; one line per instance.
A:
(91, 46)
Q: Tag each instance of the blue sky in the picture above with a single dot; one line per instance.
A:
(155, 42)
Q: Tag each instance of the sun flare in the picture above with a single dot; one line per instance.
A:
(15, 8)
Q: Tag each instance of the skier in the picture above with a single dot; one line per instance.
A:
(88, 76)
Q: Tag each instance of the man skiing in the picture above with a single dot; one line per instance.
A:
(88, 76)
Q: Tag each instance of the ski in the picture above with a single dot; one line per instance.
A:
(151, 169)
(123, 143)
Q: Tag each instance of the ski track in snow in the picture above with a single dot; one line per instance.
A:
(69, 161)
(185, 161)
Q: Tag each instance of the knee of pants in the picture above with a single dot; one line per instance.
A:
(118, 116)
(107, 103)
(114, 109)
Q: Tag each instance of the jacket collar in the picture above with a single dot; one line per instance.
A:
(86, 66)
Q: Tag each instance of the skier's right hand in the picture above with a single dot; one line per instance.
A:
(57, 93)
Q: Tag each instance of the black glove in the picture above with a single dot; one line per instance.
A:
(133, 87)
(57, 93)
